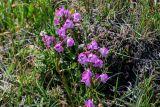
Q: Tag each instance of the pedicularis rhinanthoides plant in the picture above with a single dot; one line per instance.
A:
(90, 57)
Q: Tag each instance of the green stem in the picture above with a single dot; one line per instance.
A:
(66, 85)
(64, 81)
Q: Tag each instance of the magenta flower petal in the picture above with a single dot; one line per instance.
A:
(82, 58)
(61, 32)
(86, 77)
(48, 40)
(67, 13)
(93, 45)
(98, 63)
(97, 76)
(56, 21)
(92, 58)
(104, 51)
(70, 42)
(88, 82)
(104, 78)
(60, 12)
(58, 47)
(76, 17)
(68, 24)
(89, 103)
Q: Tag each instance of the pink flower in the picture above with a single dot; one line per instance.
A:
(97, 76)
(98, 63)
(60, 12)
(93, 45)
(56, 21)
(104, 51)
(67, 13)
(48, 40)
(104, 78)
(86, 77)
(92, 58)
(70, 42)
(58, 47)
(68, 24)
(82, 58)
(61, 32)
(76, 17)
(89, 103)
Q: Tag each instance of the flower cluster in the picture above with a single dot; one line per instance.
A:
(63, 21)
(93, 57)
